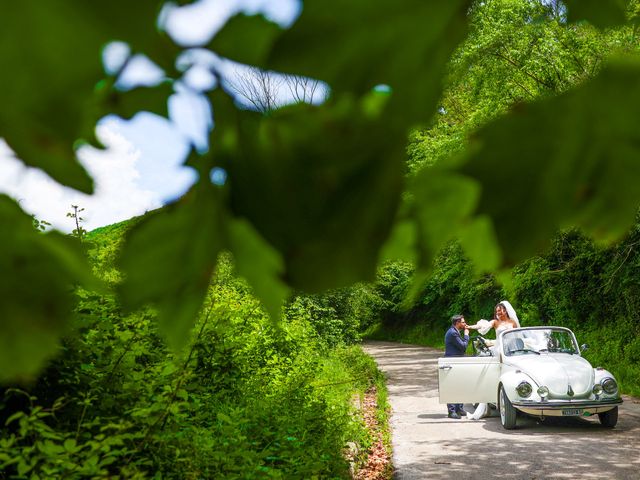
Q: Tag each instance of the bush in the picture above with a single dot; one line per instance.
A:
(247, 397)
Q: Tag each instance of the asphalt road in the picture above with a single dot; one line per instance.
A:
(428, 445)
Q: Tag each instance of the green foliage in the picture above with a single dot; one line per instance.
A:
(40, 225)
(246, 398)
(79, 232)
(414, 37)
(562, 180)
(339, 316)
(38, 270)
(340, 198)
(168, 260)
(453, 287)
(51, 53)
(601, 13)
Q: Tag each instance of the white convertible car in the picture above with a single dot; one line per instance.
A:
(535, 370)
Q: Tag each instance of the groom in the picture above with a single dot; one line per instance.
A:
(454, 346)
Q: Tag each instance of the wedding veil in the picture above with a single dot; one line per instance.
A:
(510, 311)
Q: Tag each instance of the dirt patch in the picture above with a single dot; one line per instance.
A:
(378, 463)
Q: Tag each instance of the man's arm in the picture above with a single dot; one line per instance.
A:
(462, 342)
(457, 343)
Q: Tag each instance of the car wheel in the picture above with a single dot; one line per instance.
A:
(507, 411)
(609, 418)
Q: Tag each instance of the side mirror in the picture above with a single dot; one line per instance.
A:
(584, 347)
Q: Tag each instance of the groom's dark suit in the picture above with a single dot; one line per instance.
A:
(454, 346)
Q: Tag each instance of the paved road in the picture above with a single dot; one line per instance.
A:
(427, 444)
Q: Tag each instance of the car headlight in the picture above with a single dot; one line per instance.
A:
(524, 389)
(609, 385)
(597, 389)
(543, 392)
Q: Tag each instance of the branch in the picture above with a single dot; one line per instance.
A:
(519, 68)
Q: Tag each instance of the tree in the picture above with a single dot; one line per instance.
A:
(258, 88)
(314, 192)
(77, 232)
(264, 91)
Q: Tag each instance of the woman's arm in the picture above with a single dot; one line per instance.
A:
(483, 326)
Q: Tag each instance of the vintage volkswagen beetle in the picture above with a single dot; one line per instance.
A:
(535, 370)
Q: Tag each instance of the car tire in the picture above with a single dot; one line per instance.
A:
(508, 413)
(609, 419)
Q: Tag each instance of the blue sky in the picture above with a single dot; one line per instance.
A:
(141, 169)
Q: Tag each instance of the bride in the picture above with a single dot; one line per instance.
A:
(504, 318)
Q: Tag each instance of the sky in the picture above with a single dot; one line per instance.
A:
(141, 168)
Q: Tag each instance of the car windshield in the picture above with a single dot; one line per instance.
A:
(539, 341)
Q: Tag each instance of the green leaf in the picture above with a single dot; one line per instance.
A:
(50, 56)
(39, 272)
(600, 13)
(245, 39)
(260, 264)
(168, 260)
(359, 44)
(401, 244)
(70, 445)
(478, 239)
(320, 184)
(572, 160)
(443, 204)
(128, 103)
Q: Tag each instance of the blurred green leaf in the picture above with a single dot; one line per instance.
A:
(401, 244)
(600, 13)
(127, 104)
(50, 55)
(168, 260)
(39, 272)
(245, 39)
(571, 160)
(443, 204)
(260, 264)
(321, 184)
(359, 44)
(479, 242)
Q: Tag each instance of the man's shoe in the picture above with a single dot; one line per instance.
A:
(454, 415)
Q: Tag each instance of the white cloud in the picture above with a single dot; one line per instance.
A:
(197, 22)
(116, 197)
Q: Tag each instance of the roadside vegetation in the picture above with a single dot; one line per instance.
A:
(247, 397)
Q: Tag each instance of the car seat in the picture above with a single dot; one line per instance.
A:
(515, 344)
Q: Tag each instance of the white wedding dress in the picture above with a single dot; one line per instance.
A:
(482, 410)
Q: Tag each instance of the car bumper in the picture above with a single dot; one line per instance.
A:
(563, 408)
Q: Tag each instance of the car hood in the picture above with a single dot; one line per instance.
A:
(557, 371)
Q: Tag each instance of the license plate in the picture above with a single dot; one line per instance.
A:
(570, 412)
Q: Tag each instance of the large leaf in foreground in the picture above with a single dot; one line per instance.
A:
(356, 45)
(245, 39)
(260, 264)
(571, 160)
(169, 258)
(601, 13)
(443, 207)
(50, 57)
(39, 272)
(321, 184)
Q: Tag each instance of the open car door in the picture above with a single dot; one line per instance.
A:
(468, 379)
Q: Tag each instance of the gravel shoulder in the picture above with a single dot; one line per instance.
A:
(427, 444)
